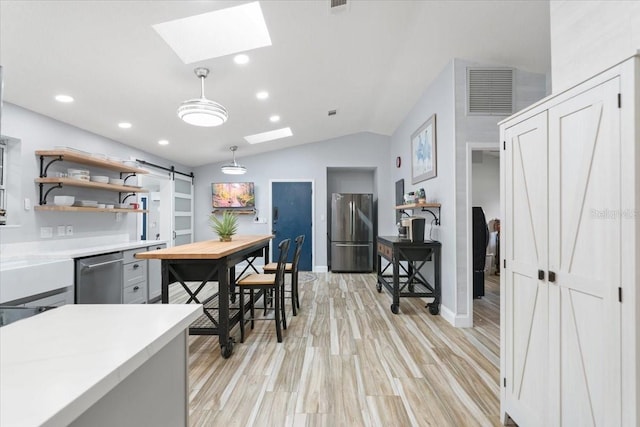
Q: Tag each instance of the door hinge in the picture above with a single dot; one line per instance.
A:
(504, 264)
(504, 382)
(504, 145)
(619, 294)
(619, 100)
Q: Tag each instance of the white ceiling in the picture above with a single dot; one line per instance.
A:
(370, 62)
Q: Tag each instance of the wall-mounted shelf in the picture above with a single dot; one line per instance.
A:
(90, 184)
(85, 159)
(236, 211)
(424, 207)
(86, 209)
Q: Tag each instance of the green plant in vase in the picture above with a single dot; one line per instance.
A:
(225, 227)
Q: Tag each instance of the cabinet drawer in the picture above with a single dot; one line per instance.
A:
(135, 272)
(128, 256)
(385, 251)
(135, 294)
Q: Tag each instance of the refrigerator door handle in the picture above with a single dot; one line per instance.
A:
(350, 245)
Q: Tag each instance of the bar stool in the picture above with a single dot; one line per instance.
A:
(266, 283)
(292, 268)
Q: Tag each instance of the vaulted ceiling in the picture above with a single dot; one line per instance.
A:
(369, 61)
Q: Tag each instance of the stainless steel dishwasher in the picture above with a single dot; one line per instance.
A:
(99, 279)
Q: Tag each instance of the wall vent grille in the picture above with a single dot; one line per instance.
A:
(490, 91)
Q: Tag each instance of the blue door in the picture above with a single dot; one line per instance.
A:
(291, 217)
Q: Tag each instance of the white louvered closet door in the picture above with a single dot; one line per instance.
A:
(584, 212)
(182, 220)
(526, 252)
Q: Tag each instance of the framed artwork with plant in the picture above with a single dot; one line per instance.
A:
(423, 152)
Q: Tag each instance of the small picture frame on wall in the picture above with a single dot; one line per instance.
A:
(423, 152)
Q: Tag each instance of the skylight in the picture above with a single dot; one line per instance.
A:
(268, 136)
(218, 33)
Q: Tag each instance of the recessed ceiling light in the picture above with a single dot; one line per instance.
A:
(215, 34)
(124, 125)
(241, 59)
(64, 98)
(274, 119)
(163, 142)
(262, 94)
(268, 136)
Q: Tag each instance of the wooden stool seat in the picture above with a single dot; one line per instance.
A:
(257, 280)
(272, 266)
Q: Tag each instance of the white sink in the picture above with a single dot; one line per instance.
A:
(21, 277)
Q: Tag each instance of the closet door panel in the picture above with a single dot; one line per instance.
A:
(584, 232)
(526, 252)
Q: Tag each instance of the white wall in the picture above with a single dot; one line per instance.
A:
(528, 88)
(486, 185)
(589, 36)
(304, 162)
(437, 99)
(38, 132)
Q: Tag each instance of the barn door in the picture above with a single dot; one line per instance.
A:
(584, 177)
(526, 253)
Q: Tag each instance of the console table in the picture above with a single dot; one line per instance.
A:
(408, 281)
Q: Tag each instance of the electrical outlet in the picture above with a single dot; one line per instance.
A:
(46, 232)
(61, 230)
(69, 230)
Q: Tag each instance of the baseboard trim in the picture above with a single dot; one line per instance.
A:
(457, 320)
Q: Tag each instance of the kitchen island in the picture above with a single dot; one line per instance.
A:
(210, 261)
(97, 365)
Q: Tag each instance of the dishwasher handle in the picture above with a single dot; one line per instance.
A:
(100, 264)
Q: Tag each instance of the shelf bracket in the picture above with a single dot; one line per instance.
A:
(436, 218)
(43, 198)
(126, 197)
(127, 177)
(44, 169)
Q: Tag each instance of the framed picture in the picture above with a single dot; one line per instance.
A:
(423, 152)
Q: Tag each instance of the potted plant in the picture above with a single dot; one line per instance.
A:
(225, 227)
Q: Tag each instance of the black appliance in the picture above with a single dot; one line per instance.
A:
(480, 233)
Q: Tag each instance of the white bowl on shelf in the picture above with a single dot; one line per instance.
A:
(109, 206)
(100, 178)
(116, 181)
(63, 200)
(101, 206)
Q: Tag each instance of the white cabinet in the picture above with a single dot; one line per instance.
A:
(134, 278)
(154, 291)
(570, 182)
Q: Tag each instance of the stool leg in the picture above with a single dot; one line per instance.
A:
(283, 307)
(277, 314)
(295, 286)
(241, 315)
(293, 296)
(251, 305)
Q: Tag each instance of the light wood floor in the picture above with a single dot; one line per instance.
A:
(346, 360)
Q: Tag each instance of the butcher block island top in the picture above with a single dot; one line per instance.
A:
(208, 249)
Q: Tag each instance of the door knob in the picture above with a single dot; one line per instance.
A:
(540, 274)
(552, 276)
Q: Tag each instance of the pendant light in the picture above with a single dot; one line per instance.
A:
(233, 168)
(202, 111)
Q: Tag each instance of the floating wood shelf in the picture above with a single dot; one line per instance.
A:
(424, 207)
(87, 159)
(418, 206)
(90, 184)
(85, 209)
(235, 210)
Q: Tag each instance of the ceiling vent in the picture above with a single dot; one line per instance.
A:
(490, 91)
(338, 5)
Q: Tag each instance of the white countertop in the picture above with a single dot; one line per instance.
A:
(56, 365)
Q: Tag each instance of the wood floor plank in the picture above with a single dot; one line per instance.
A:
(346, 360)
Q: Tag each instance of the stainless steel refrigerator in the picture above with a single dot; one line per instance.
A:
(351, 232)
